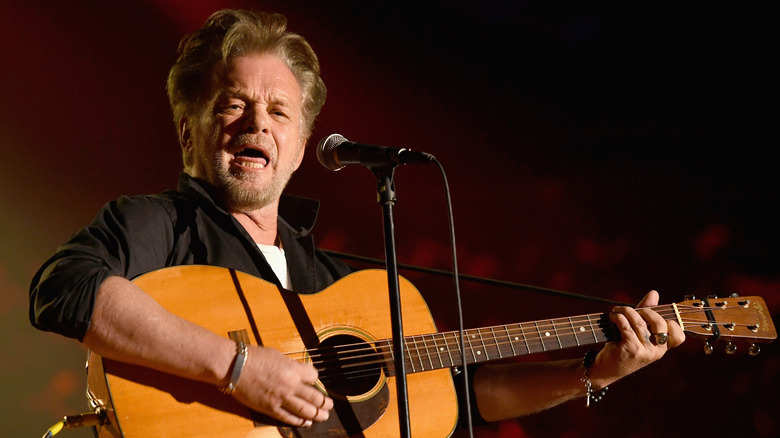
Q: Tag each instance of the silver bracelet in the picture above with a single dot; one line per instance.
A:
(237, 367)
(587, 362)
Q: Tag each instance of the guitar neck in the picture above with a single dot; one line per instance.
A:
(442, 350)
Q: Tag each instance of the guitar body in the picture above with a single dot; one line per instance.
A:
(144, 403)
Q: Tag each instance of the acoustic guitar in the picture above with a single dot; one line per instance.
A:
(345, 331)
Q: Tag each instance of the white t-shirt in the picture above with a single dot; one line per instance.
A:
(275, 257)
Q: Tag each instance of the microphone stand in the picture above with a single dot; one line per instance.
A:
(386, 197)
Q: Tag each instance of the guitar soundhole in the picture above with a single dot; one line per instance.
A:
(350, 366)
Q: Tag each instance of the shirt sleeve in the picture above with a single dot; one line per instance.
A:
(128, 237)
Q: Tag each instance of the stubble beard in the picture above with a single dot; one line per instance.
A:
(238, 189)
(243, 191)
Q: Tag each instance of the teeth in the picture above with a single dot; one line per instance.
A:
(252, 164)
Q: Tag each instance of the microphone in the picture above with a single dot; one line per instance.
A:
(335, 152)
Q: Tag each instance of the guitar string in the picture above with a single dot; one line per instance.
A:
(419, 350)
(380, 357)
(362, 372)
(413, 341)
(562, 324)
(380, 354)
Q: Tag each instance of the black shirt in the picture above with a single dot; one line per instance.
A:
(135, 235)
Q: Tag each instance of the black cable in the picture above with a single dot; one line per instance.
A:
(476, 279)
(456, 279)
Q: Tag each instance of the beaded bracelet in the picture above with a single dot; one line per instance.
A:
(237, 367)
(587, 362)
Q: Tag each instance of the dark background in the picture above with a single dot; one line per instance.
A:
(606, 149)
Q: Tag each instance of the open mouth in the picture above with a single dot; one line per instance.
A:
(250, 157)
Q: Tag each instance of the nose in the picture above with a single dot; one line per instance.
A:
(256, 121)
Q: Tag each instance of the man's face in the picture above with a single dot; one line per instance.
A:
(247, 141)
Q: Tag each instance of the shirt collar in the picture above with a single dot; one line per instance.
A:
(295, 212)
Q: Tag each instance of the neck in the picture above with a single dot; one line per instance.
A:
(260, 224)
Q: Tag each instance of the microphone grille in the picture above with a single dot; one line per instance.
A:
(326, 151)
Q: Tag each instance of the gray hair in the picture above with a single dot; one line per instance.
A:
(231, 33)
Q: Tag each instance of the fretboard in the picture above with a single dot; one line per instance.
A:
(442, 350)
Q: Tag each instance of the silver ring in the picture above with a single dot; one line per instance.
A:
(661, 338)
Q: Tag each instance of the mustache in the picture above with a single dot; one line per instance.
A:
(244, 140)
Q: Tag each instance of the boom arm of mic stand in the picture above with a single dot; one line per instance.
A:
(477, 279)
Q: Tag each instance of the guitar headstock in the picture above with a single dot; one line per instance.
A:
(733, 319)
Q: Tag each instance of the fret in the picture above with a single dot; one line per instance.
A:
(541, 336)
(449, 351)
(525, 338)
(592, 329)
(474, 339)
(427, 351)
(458, 359)
(557, 335)
(563, 332)
(476, 354)
(409, 356)
(418, 352)
(484, 347)
(438, 351)
(466, 349)
(574, 330)
(495, 340)
(511, 342)
(490, 346)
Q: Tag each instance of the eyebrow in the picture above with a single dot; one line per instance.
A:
(274, 97)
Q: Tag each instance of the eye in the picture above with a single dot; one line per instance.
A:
(279, 112)
(231, 106)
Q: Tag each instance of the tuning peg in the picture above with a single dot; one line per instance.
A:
(712, 296)
(689, 297)
(731, 348)
(707, 347)
(754, 349)
(734, 295)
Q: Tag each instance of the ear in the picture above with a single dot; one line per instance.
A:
(185, 136)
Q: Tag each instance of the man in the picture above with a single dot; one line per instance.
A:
(244, 94)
